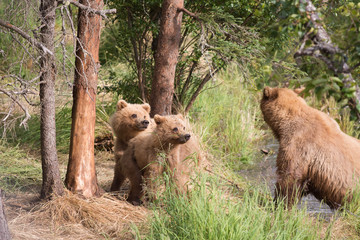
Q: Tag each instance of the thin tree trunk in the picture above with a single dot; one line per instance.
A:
(52, 183)
(4, 229)
(81, 175)
(137, 58)
(198, 90)
(162, 89)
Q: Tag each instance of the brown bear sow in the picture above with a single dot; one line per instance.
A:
(127, 122)
(315, 156)
(142, 157)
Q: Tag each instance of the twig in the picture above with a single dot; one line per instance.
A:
(102, 13)
(27, 115)
(193, 15)
(26, 36)
(227, 180)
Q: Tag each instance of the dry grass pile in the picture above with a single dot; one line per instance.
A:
(71, 217)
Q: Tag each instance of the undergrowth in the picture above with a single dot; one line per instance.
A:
(31, 135)
(209, 212)
(18, 170)
(228, 114)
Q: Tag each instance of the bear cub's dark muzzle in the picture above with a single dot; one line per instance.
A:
(145, 123)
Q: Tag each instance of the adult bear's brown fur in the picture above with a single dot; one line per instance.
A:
(315, 156)
(127, 122)
(142, 158)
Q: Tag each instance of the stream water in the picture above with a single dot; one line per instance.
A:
(264, 173)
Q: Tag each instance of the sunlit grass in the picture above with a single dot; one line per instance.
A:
(18, 170)
(229, 115)
(209, 212)
(31, 136)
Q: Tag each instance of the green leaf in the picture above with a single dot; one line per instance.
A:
(319, 81)
(335, 79)
(305, 79)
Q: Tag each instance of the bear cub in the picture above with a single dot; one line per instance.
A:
(142, 157)
(127, 122)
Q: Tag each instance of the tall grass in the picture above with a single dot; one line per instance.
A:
(18, 171)
(210, 213)
(31, 136)
(228, 115)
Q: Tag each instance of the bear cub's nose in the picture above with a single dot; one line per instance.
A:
(145, 122)
(187, 137)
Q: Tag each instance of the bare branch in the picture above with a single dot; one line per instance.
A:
(32, 40)
(208, 76)
(102, 13)
(27, 115)
(193, 15)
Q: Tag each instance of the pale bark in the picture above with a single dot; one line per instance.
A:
(81, 175)
(4, 229)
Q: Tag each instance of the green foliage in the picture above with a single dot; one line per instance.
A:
(229, 112)
(340, 20)
(120, 80)
(208, 212)
(18, 171)
(225, 33)
(31, 136)
(12, 47)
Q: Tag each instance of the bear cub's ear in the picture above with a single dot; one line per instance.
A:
(180, 116)
(121, 104)
(267, 92)
(159, 119)
(146, 107)
(299, 91)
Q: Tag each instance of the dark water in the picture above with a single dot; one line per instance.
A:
(264, 173)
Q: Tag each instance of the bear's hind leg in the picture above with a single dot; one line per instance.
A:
(118, 176)
(290, 190)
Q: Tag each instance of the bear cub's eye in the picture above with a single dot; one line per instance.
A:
(175, 129)
(134, 116)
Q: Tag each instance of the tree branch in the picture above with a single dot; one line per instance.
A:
(27, 115)
(102, 13)
(200, 87)
(26, 36)
(193, 15)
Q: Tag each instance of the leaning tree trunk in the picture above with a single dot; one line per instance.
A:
(4, 229)
(324, 49)
(81, 175)
(166, 58)
(52, 183)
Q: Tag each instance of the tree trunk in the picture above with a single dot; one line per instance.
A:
(81, 175)
(166, 58)
(52, 183)
(324, 50)
(4, 229)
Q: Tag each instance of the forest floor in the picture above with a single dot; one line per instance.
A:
(70, 216)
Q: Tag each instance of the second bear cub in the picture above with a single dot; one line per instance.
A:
(141, 158)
